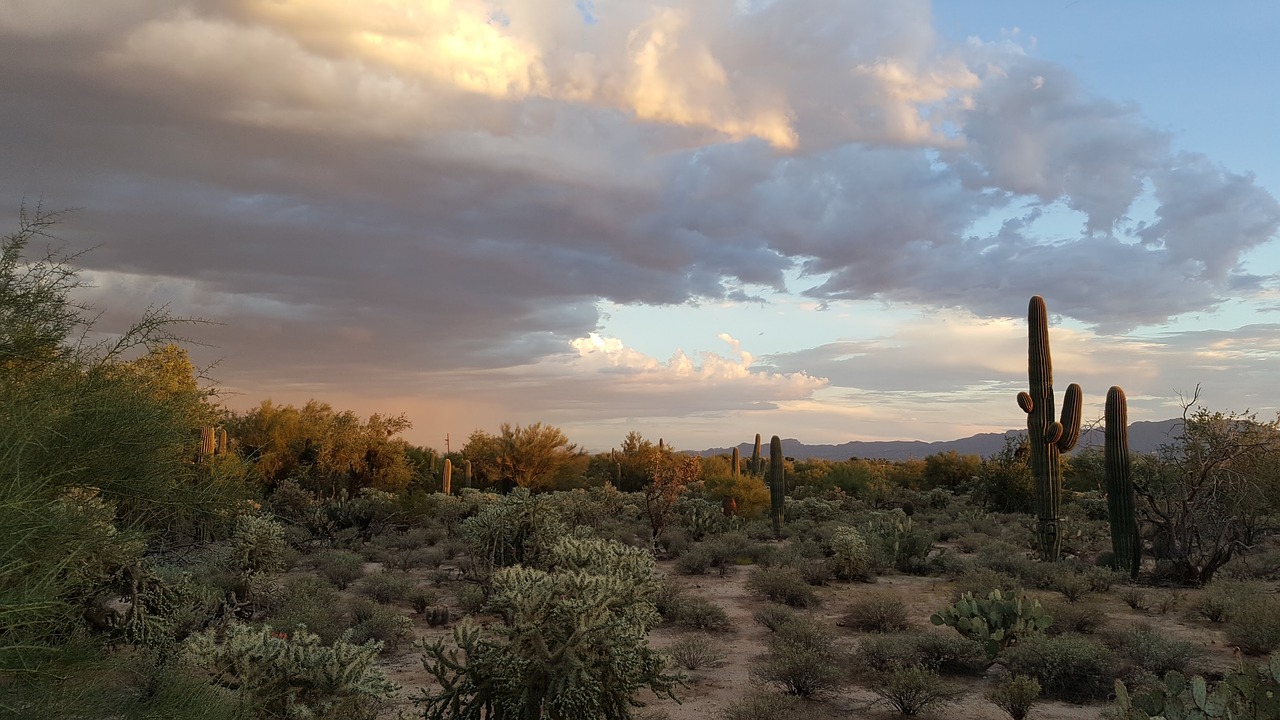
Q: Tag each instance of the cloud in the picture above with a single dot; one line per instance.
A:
(447, 189)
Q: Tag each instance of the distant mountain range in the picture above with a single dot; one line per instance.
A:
(1143, 437)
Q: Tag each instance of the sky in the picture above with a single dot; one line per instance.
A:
(820, 219)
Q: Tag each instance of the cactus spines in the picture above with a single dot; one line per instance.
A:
(1048, 437)
(735, 463)
(1121, 504)
(777, 483)
(446, 478)
(756, 467)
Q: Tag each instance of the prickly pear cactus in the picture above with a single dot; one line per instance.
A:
(1049, 437)
(997, 621)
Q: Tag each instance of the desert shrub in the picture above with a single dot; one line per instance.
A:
(895, 541)
(514, 529)
(880, 612)
(1101, 578)
(1080, 617)
(1015, 695)
(312, 602)
(421, 598)
(880, 652)
(697, 651)
(373, 622)
(816, 572)
(700, 614)
(1073, 586)
(1068, 667)
(1146, 649)
(1254, 626)
(1167, 602)
(292, 674)
(340, 567)
(1136, 598)
(980, 581)
(695, 561)
(1219, 599)
(782, 585)
(774, 616)
(949, 654)
(258, 544)
(803, 659)
(471, 598)
(386, 587)
(675, 541)
(914, 689)
(765, 706)
(292, 503)
(850, 554)
(668, 599)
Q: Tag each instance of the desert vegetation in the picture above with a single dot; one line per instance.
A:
(164, 558)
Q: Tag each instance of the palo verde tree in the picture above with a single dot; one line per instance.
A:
(536, 457)
(96, 473)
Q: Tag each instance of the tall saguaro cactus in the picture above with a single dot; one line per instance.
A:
(777, 483)
(1048, 437)
(446, 483)
(466, 474)
(1126, 544)
(735, 462)
(755, 458)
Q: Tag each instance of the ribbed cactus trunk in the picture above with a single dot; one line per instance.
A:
(467, 477)
(735, 463)
(446, 478)
(1126, 544)
(777, 484)
(208, 440)
(756, 467)
(617, 475)
(1048, 437)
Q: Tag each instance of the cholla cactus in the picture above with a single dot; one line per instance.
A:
(850, 554)
(574, 644)
(292, 674)
(259, 544)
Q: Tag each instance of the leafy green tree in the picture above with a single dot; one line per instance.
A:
(324, 451)
(950, 469)
(1004, 482)
(95, 472)
(536, 457)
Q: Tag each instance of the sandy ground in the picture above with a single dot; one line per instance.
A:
(709, 691)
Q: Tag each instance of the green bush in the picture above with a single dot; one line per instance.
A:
(765, 706)
(309, 601)
(292, 674)
(914, 689)
(700, 614)
(1068, 667)
(774, 616)
(803, 660)
(1254, 626)
(340, 567)
(1147, 649)
(1080, 617)
(880, 612)
(386, 587)
(980, 580)
(944, 653)
(1248, 691)
(694, 561)
(694, 652)
(782, 585)
(1015, 695)
(1220, 598)
(373, 622)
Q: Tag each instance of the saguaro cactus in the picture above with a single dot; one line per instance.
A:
(1048, 438)
(735, 463)
(756, 467)
(446, 482)
(1126, 544)
(777, 483)
(466, 474)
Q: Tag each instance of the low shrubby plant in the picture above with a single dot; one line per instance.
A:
(309, 601)
(696, 651)
(881, 612)
(258, 544)
(1136, 598)
(1146, 649)
(850, 554)
(1248, 691)
(373, 622)
(912, 690)
(944, 653)
(1254, 626)
(765, 706)
(340, 567)
(774, 616)
(803, 659)
(1015, 695)
(701, 614)
(980, 580)
(1220, 598)
(386, 587)
(782, 585)
(1079, 617)
(1068, 667)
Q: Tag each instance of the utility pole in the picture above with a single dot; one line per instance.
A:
(446, 444)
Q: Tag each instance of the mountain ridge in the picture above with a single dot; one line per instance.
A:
(1144, 437)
